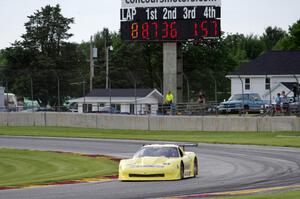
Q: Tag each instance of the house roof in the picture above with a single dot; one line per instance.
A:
(290, 85)
(120, 92)
(272, 63)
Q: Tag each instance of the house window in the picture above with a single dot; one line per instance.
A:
(132, 109)
(118, 107)
(87, 108)
(247, 84)
(268, 83)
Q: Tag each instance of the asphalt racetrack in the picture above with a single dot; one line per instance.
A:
(221, 168)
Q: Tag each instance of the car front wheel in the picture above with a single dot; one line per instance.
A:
(181, 171)
(195, 167)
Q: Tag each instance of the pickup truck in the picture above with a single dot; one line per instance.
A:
(250, 102)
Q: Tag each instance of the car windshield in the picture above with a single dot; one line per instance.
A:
(238, 97)
(168, 152)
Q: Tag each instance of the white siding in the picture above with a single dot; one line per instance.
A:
(258, 85)
(124, 102)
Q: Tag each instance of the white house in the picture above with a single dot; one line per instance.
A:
(269, 74)
(132, 101)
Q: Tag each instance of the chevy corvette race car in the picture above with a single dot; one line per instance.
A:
(159, 162)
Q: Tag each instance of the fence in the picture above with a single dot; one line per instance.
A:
(180, 109)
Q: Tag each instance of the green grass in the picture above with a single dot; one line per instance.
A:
(285, 139)
(23, 167)
(283, 195)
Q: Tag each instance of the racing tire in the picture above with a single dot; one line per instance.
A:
(195, 167)
(181, 171)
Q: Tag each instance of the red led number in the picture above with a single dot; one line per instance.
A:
(215, 23)
(196, 32)
(165, 31)
(134, 31)
(169, 30)
(145, 30)
(173, 28)
(203, 26)
(153, 30)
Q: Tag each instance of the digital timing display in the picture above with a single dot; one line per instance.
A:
(170, 23)
(166, 30)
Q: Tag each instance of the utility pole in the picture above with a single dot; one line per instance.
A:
(91, 64)
(106, 64)
(107, 49)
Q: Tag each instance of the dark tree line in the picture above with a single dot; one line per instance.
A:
(44, 60)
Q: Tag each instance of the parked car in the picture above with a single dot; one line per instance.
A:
(294, 107)
(250, 102)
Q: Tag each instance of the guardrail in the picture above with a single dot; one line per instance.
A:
(151, 122)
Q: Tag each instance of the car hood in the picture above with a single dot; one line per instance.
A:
(232, 102)
(148, 161)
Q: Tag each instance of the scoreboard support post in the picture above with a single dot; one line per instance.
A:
(173, 70)
(170, 68)
(179, 73)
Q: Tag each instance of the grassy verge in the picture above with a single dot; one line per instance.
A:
(285, 139)
(283, 195)
(23, 168)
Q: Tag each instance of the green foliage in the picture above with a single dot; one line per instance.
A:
(234, 43)
(292, 194)
(46, 31)
(284, 139)
(294, 31)
(44, 58)
(253, 46)
(136, 63)
(129, 63)
(206, 64)
(272, 36)
(2, 60)
(292, 40)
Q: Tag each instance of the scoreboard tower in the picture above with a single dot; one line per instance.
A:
(170, 22)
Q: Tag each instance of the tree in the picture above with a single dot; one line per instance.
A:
(294, 31)
(140, 62)
(2, 59)
(234, 42)
(44, 58)
(244, 48)
(46, 31)
(207, 64)
(130, 64)
(253, 46)
(292, 40)
(272, 36)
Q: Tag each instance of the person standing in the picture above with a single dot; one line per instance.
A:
(201, 98)
(169, 98)
(169, 102)
(284, 102)
(278, 103)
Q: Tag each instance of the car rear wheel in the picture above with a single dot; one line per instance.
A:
(195, 167)
(181, 171)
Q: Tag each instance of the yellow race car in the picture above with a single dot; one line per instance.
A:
(159, 162)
